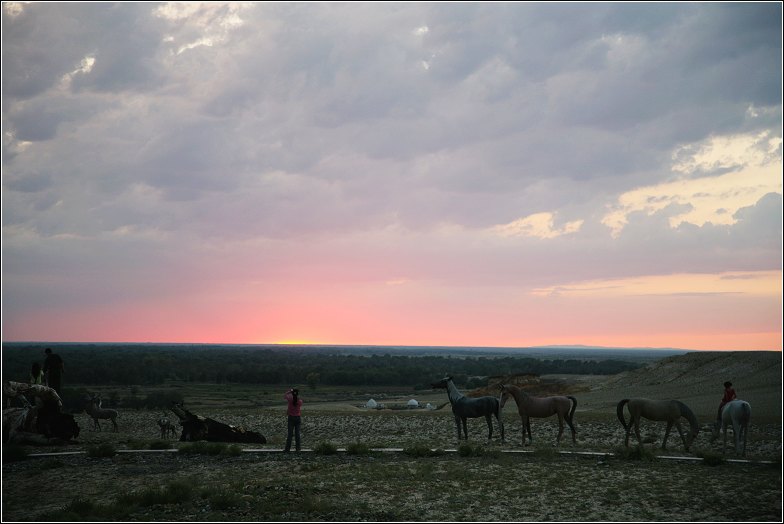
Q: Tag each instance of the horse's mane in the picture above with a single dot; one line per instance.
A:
(688, 414)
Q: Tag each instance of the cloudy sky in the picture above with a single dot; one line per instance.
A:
(467, 174)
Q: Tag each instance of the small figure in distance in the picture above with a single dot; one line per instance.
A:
(729, 396)
(294, 413)
(53, 370)
(36, 374)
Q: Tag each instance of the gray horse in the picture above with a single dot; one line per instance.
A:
(465, 407)
(736, 413)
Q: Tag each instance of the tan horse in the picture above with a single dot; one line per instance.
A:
(669, 411)
(541, 407)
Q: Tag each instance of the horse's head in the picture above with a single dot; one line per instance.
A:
(441, 384)
(691, 437)
(504, 394)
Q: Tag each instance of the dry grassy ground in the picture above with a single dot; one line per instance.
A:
(541, 485)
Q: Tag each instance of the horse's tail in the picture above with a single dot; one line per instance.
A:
(745, 415)
(619, 411)
(574, 408)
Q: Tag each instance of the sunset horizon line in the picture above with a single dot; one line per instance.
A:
(372, 345)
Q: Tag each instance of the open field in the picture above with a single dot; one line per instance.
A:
(542, 485)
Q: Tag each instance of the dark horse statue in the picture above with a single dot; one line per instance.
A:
(466, 407)
(195, 427)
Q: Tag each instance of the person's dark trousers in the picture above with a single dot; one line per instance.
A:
(294, 425)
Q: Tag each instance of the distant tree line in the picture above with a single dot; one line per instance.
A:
(154, 364)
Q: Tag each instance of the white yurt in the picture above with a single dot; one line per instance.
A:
(430, 406)
(372, 404)
(413, 403)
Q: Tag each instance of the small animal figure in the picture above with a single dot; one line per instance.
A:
(95, 410)
(167, 427)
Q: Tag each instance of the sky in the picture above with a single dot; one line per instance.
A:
(450, 174)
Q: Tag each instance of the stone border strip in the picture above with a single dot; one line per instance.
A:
(400, 450)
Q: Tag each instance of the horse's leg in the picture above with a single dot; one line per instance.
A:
(574, 431)
(457, 424)
(489, 420)
(736, 435)
(528, 428)
(501, 425)
(745, 430)
(560, 430)
(683, 436)
(637, 430)
(667, 434)
(465, 428)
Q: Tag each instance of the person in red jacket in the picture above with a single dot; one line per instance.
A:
(294, 412)
(729, 395)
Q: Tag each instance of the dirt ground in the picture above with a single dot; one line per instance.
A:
(537, 485)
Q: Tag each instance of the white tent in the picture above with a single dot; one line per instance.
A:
(413, 403)
(372, 404)
(430, 406)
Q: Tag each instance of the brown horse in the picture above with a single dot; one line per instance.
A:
(669, 411)
(541, 407)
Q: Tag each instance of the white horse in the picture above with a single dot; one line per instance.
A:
(736, 413)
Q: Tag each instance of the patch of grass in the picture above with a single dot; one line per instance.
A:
(224, 499)
(14, 453)
(80, 509)
(51, 463)
(325, 448)
(160, 444)
(102, 450)
(422, 450)
(709, 458)
(175, 492)
(211, 448)
(635, 453)
(358, 448)
(137, 444)
(476, 450)
(546, 451)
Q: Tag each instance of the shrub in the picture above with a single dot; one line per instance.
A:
(204, 448)
(710, 458)
(13, 453)
(358, 448)
(160, 444)
(421, 450)
(102, 450)
(635, 453)
(325, 448)
(224, 499)
(470, 450)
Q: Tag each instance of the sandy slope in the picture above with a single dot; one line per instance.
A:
(697, 379)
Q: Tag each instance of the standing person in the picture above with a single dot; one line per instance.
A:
(36, 374)
(729, 395)
(53, 369)
(294, 412)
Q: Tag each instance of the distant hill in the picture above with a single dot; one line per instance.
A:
(697, 378)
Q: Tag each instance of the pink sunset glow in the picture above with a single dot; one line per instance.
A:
(403, 174)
